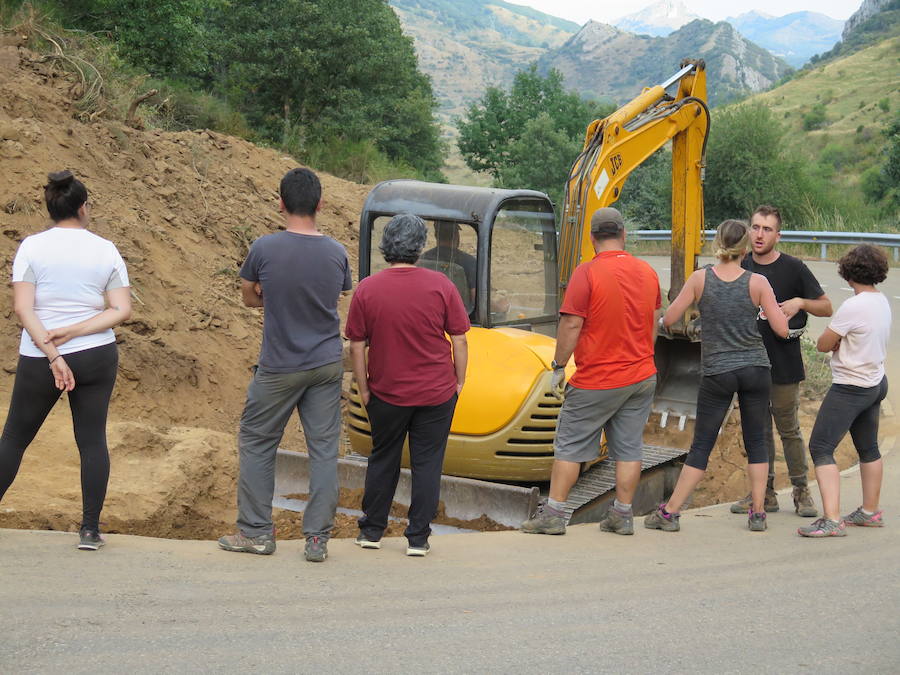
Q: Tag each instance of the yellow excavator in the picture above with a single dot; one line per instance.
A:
(501, 249)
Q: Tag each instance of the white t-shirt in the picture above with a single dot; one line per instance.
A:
(864, 324)
(71, 270)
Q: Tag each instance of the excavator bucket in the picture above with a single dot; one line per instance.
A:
(677, 379)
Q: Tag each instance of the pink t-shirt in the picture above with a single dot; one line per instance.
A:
(404, 313)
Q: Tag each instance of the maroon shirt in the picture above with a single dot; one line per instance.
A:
(404, 313)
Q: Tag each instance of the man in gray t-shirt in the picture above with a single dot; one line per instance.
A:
(297, 277)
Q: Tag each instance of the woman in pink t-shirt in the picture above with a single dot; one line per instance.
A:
(857, 337)
(409, 379)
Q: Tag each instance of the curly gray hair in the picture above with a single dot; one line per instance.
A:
(403, 239)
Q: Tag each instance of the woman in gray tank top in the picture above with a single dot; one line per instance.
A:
(733, 361)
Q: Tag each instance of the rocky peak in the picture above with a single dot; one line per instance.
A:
(868, 9)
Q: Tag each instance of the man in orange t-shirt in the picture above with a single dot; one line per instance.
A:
(609, 319)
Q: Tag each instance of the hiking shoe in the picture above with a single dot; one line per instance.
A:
(617, 521)
(660, 521)
(316, 549)
(365, 542)
(264, 544)
(90, 540)
(418, 551)
(823, 528)
(546, 520)
(757, 522)
(803, 502)
(769, 506)
(861, 519)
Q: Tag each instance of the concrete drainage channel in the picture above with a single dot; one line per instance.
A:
(468, 504)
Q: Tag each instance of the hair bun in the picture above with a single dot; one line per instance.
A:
(60, 178)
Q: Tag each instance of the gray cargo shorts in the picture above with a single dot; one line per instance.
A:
(586, 413)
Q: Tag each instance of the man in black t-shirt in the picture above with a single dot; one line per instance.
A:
(446, 234)
(798, 293)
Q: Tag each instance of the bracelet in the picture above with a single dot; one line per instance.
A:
(54, 359)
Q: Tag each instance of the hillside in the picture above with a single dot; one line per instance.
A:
(182, 208)
(857, 96)
(603, 62)
(468, 45)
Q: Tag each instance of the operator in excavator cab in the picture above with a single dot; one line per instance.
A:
(447, 258)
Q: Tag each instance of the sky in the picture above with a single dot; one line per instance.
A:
(580, 11)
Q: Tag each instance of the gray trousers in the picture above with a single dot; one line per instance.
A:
(784, 403)
(271, 398)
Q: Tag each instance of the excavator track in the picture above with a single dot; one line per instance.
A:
(601, 477)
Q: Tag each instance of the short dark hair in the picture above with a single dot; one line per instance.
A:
(64, 195)
(766, 210)
(403, 239)
(864, 264)
(301, 192)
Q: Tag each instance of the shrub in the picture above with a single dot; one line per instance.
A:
(815, 118)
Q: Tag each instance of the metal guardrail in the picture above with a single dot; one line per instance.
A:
(823, 239)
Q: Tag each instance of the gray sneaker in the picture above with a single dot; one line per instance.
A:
(316, 549)
(803, 502)
(264, 544)
(90, 540)
(618, 522)
(743, 505)
(546, 520)
(757, 522)
(418, 550)
(823, 528)
(659, 521)
(861, 519)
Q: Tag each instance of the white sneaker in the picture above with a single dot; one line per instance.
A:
(367, 543)
(418, 551)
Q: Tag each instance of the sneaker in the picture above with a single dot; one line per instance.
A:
(418, 551)
(618, 522)
(365, 542)
(803, 502)
(316, 549)
(546, 520)
(757, 522)
(660, 521)
(264, 544)
(823, 528)
(89, 540)
(770, 505)
(861, 519)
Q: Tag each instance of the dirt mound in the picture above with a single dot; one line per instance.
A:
(182, 208)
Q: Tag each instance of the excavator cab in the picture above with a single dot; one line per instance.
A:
(498, 248)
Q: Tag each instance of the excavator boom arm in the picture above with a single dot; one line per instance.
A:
(618, 144)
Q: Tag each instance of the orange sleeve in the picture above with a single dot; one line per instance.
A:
(577, 300)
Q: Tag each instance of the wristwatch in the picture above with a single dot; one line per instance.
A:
(556, 366)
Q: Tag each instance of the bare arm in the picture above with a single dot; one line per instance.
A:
(251, 293)
(828, 341)
(460, 359)
(764, 296)
(118, 309)
(689, 294)
(360, 371)
(567, 336)
(820, 306)
(23, 305)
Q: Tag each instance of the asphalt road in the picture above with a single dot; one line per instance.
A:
(713, 598)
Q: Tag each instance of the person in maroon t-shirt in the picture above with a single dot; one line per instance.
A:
(409, 381)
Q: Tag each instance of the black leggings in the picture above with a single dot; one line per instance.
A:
(751, 384)
(34, 395)
(848, 408)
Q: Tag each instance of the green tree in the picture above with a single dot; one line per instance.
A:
(164, 37)
(540, 158)
(529, 136)
(747, 164)
(311, 69)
